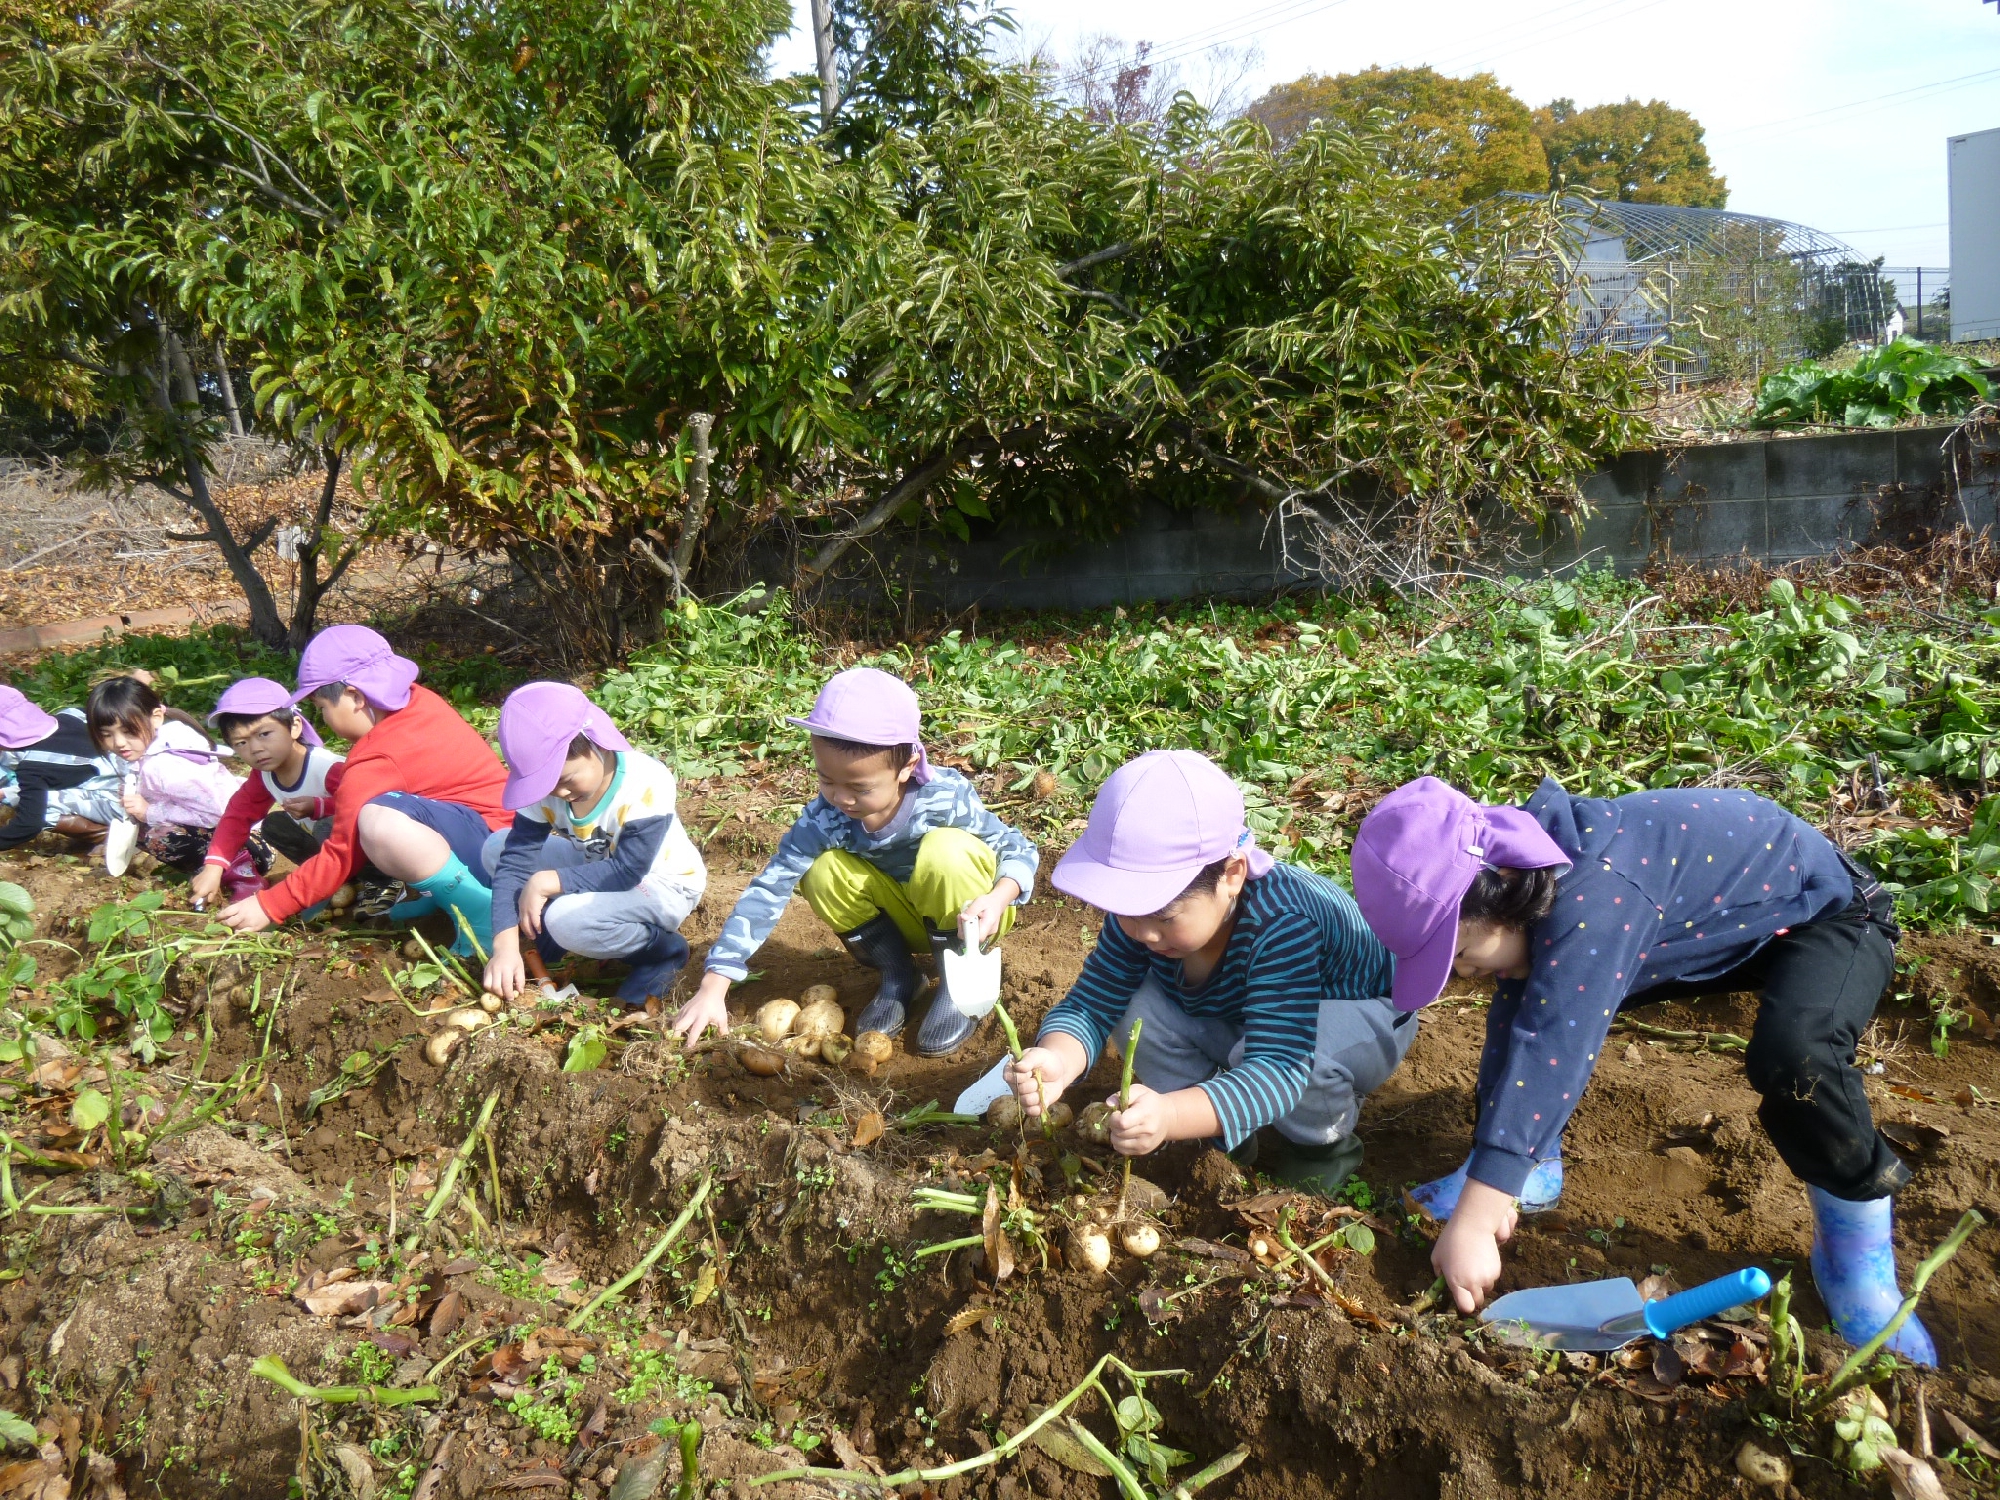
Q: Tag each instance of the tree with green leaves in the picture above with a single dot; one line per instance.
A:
(501, 262)
(1632, 152)
(1461, 139)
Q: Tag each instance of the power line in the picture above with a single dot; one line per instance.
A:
(1875, 101)
(1527, 41)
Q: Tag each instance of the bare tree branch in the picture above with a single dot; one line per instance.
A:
(901, 493)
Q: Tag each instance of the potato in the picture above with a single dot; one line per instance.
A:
(413, 950)
(1089, 1249)
(774, 1019)
(804, 1046)
(833, 1050)
(816, 994)
(1045, 785)
(1094, 1124)
(439, 1048)
(1762, 1467)
(491, 1003)
(469, 1018)
(1144, 1197)
(1059, 1115)
(820, 1017)
(1005, 1113)
(761, 1061)
(343, 898)
(1140, 1240)
(872, 1049)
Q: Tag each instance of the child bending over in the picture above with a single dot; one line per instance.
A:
(892, 854)
(1581, 906)
(180, 790)
(1264, 995)
(419, 795)
(597, 862)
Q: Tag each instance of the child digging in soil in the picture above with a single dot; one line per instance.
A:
(597, 862)
(1580, 907)
(1263, 994)
(417, 799)
(892, 854)
(289, 796)
(52, 773)
(180, 790)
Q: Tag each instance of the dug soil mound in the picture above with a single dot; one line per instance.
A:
(344, 1214)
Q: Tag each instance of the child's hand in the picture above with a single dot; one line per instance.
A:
(207, 883)
(1143, 1126)
(506, 975)
(985, 911)
(543, 887)
(1467, 1254)
(709, 1006)
(247, 915)
(134, 804)
(1055, 1071)
(300, 807)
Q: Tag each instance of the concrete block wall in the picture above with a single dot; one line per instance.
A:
(1772, 500)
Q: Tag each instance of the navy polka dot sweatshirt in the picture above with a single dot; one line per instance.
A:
(1663, 886)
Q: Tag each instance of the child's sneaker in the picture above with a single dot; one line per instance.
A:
(654, 969)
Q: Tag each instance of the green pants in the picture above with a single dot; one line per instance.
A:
(953, 866)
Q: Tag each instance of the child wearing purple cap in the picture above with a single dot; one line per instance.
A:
(1263, 994)
(598, 862)
(1582, 906)
(893, 854)
(288, 798)
(52, 773)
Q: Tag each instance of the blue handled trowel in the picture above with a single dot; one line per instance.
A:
(1608, 1314)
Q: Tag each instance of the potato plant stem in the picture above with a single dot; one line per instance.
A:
(461, 978)
(945, 1247)
(1002, 1449)
(1846, 1375)
(459, 1158)
(273, 1369)
(673, 1233)
(1125, 1103)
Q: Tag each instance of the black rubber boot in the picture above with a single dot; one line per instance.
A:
(943, 1030)
(878, 944)
(1317, 1169)
(290, 837)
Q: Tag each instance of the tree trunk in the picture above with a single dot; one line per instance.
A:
(695, 515)
(312, 589)
(264, 621)
(829, 64)
(228, 389)
(187, 393)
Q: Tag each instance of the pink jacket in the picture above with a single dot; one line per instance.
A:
(182, 780)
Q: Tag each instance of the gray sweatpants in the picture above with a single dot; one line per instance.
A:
(603, 924)
(1360, 1042)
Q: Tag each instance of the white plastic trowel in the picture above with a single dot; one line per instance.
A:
(120, 839)
(972, 984)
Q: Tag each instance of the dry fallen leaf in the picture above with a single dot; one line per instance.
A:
(868, 1129)
(964, 1318)
(1970, 1439)
(1910, 1478)
(343, 1299)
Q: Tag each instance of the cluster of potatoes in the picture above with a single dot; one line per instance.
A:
(460, 1024)
(1089, 1242)
(813, 1027)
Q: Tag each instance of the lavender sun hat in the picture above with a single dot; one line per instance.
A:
(362, 659)
(1158, 821)
(869, 707)
(1414, 858)
(537, 723)
(260, 695)
(22, 723)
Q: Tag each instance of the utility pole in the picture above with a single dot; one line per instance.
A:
(829, 86)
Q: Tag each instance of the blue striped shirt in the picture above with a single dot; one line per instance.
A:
(1299, 941)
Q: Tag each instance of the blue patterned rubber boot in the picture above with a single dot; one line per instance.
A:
(1854, 1267)
(1436, 1199)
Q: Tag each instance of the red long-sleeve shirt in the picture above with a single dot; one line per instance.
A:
(423, 748)
(247, 808)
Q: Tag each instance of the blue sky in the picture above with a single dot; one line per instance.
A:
(1833, 113)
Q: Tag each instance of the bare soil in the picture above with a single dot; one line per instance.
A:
(793, 1319)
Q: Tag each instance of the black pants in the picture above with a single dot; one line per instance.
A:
(1818, 987)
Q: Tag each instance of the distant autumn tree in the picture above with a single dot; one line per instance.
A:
(1461, 139)
(1633, 152)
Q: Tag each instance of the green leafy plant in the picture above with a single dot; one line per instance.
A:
(1887, 385)
(17, 925)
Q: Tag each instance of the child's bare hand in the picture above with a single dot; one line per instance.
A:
(207, 883)
(708, 1006)
(1467, 1254)
(983, 913)
(1038, 1077)
(1144, 1125)
(300, 807)
(506, 975)
(543, 887)
(134, 804)
(247, 915)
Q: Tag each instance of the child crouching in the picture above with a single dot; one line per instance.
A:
(893, 854)
(53, 774)
(180, 790)
(1264, 996)
(598, 862)
(288, 798)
